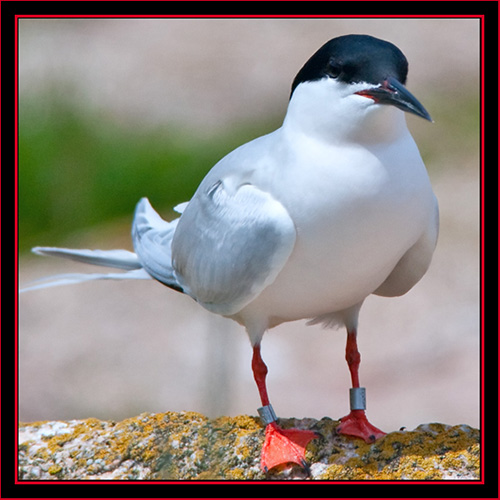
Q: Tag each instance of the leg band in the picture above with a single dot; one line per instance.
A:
(267, 414)
(357, 398)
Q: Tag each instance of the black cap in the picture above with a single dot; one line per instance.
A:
(355, 58)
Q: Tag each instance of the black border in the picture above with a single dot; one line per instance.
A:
(256, 489)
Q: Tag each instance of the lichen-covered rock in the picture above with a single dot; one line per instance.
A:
(190, 446)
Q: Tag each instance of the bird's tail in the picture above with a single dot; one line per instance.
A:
(152, 237)
(119, 259)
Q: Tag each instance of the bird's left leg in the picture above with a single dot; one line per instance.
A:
(356, 424)
(281, 446)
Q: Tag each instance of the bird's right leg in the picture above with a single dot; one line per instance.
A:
(356, 424)
(281, 446)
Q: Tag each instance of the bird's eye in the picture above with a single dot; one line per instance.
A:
(334, 69)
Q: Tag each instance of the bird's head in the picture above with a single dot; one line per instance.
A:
(349, 84)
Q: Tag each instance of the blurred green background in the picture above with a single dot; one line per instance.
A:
(80, 169)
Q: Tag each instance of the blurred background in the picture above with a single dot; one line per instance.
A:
(111, 110)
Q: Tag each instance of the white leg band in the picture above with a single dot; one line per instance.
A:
(357, 398)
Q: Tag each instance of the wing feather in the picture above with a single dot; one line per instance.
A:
(152, 238)
(230, 244)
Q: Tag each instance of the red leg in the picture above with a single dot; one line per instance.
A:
(259, 373)
(281, 446)
(353, 357)
(356, 424)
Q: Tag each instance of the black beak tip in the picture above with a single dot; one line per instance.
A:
(405, 100)
(424, 114)
(413, 106)
(392, 92)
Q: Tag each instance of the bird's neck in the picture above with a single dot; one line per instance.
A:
(340, 122)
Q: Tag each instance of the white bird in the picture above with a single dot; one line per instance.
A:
(305, 222)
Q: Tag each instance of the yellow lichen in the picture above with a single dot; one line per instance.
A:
(55, 469)
(33, 425)
(425, 454)
(236, 473)
(187, 445)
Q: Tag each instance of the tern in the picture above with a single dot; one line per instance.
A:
(303, 223)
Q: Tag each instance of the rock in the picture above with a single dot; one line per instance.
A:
(187, 445)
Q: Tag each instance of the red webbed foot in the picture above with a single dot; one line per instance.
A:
(282, 446)
(356, 424)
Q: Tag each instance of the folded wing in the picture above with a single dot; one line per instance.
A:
(230, 244)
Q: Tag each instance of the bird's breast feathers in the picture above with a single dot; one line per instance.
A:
(353, 223)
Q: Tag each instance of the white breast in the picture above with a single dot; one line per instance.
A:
(356, 212)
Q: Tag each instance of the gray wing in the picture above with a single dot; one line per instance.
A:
(230, 244)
